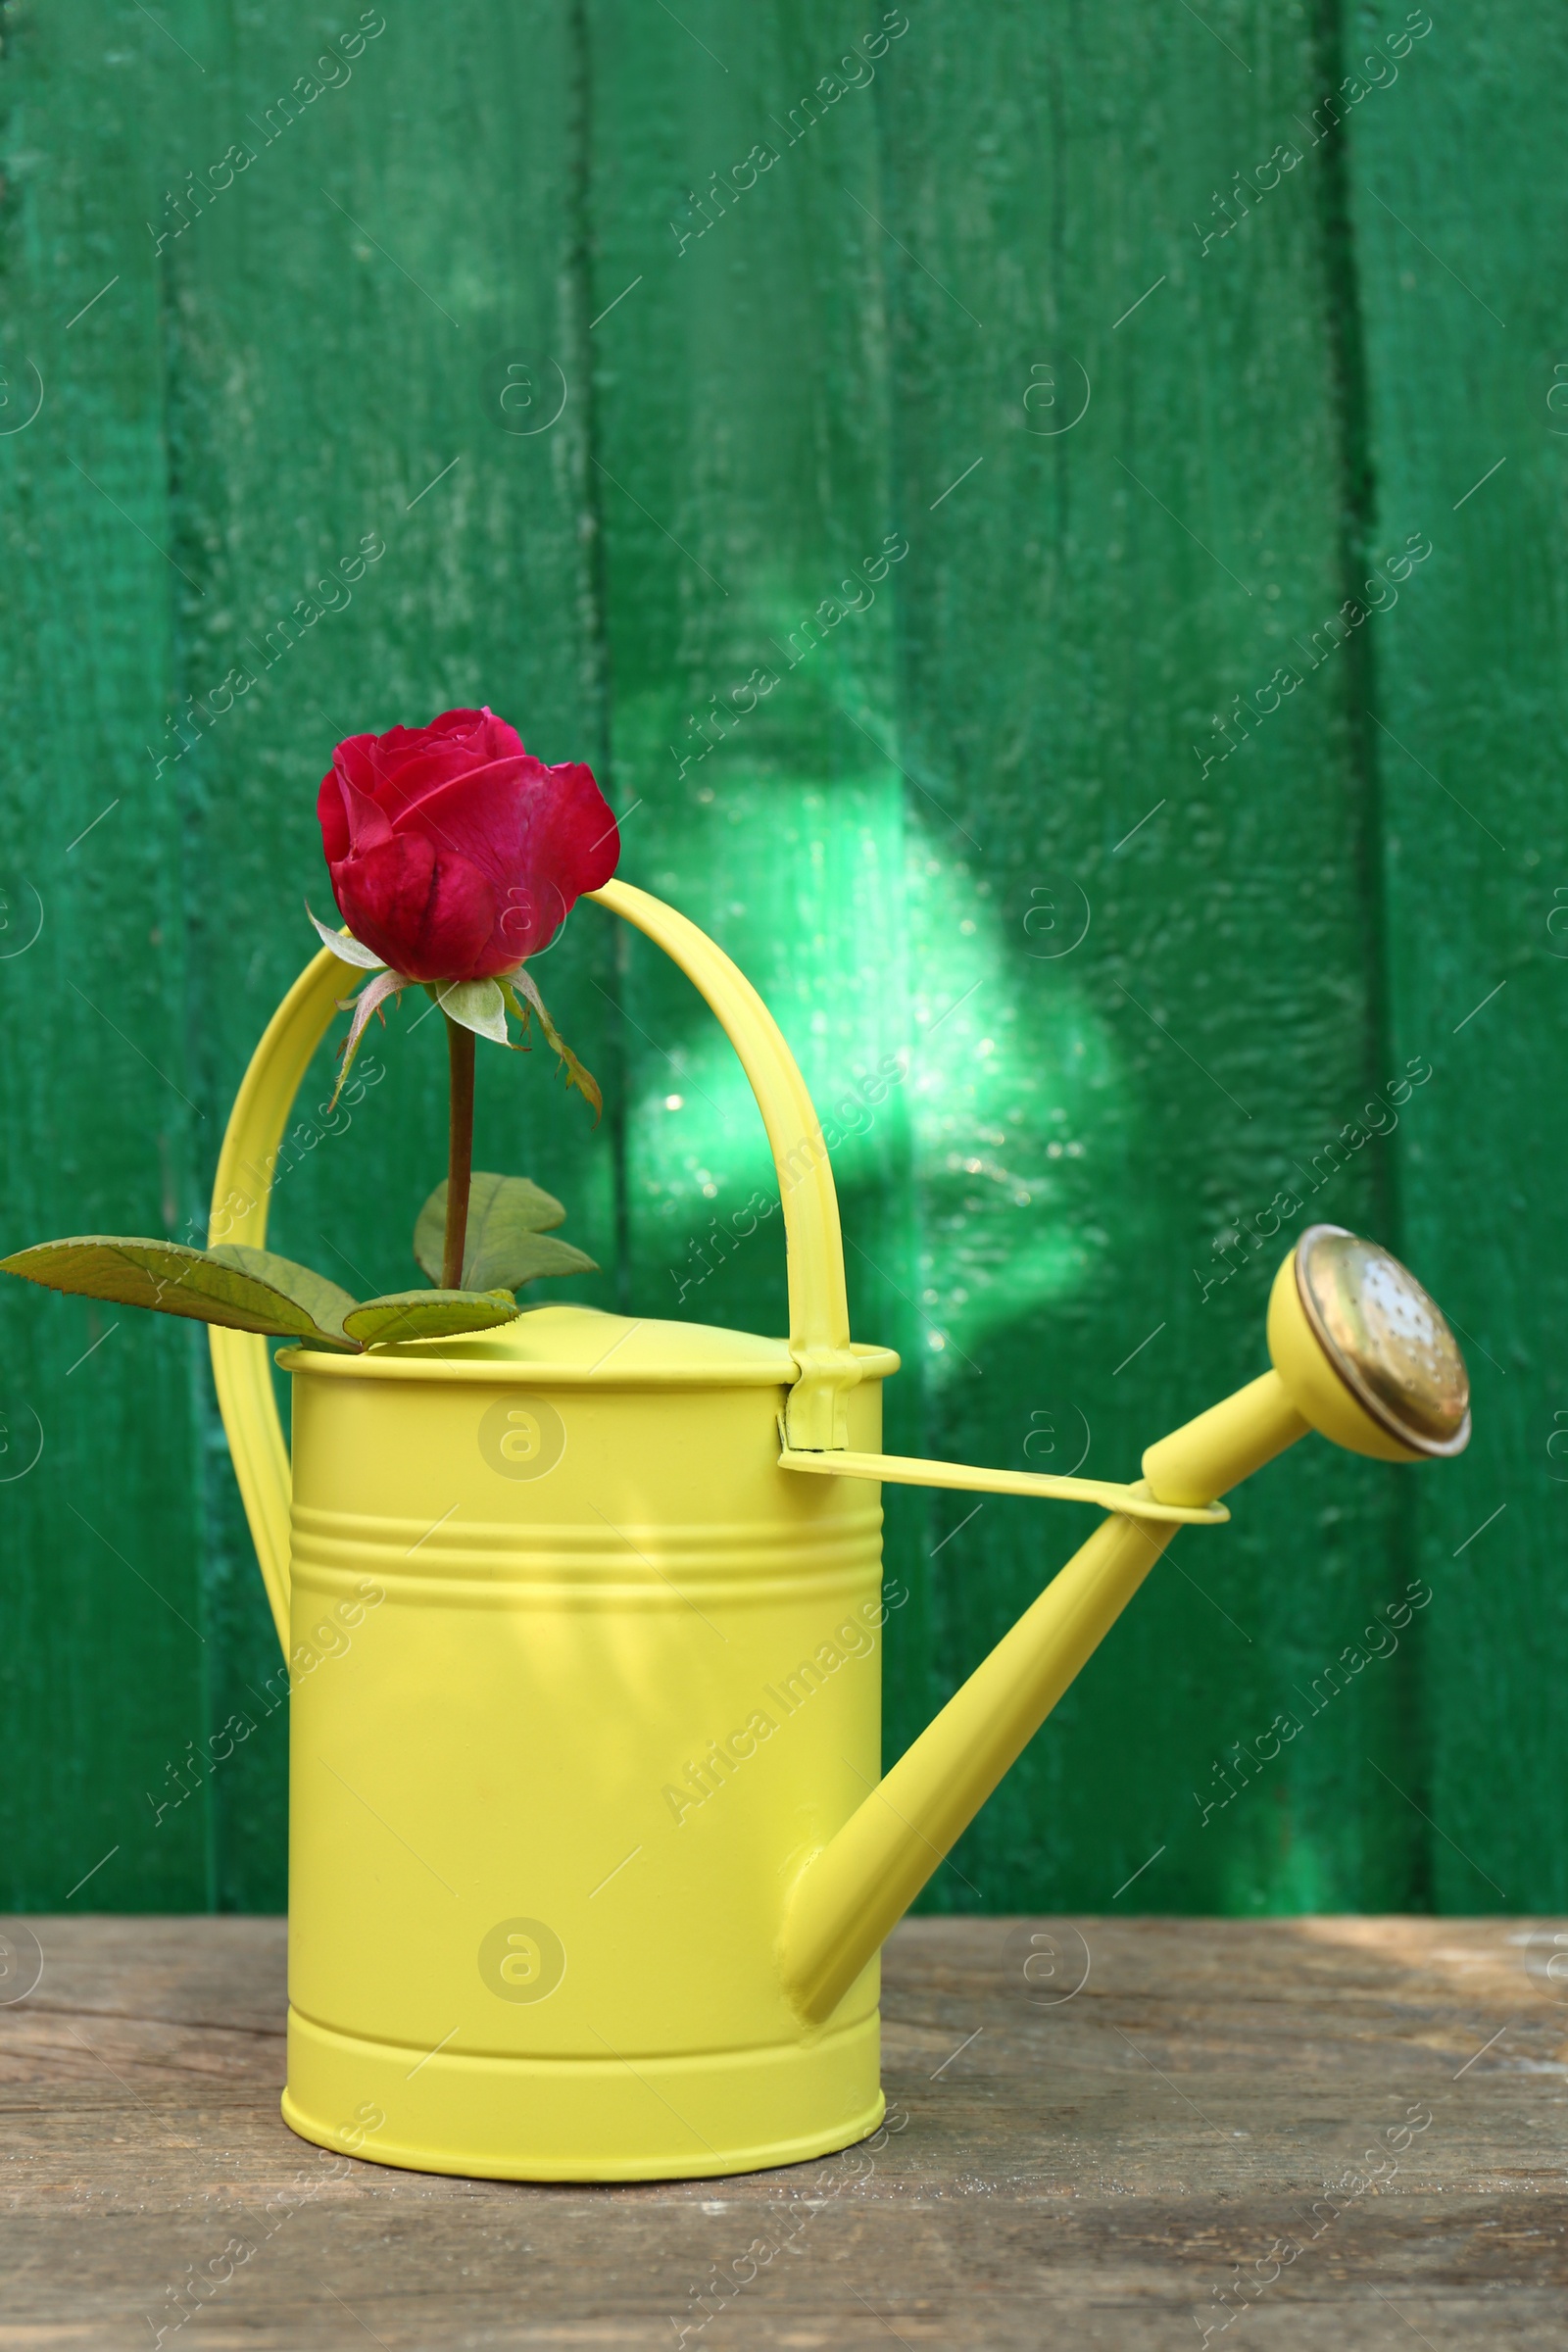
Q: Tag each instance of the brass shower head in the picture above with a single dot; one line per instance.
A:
(1364, 1353)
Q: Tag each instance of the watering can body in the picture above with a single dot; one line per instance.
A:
(586, 1678)
(590, 1856)
(580, 1680)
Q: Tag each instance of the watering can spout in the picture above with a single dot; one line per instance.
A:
(1360, 1353)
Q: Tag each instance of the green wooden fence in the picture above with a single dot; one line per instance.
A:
(917, 455)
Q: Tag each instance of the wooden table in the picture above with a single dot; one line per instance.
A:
(1355, 2128)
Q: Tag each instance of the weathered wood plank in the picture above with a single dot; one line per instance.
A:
(105, 1649)
(1113, 2167)
(1121, 463)
(749, 579)
(1466, 366)
(1039, 1127)
(378, 543)
(872, 334)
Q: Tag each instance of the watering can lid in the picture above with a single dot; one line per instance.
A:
(580, 1345)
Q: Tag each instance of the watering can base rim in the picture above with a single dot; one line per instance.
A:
(659, 2115)
(726, 2164)
(584, 1347)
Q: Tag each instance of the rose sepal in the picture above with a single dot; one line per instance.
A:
(475, 1005)
(577, 1075)
(370, 999)
(346, 947)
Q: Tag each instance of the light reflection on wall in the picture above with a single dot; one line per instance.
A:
(1019, 1108)
(879, 950)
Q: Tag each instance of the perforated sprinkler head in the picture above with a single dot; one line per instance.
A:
(1365, 1352)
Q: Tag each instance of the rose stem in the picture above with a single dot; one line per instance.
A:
(460, 1154)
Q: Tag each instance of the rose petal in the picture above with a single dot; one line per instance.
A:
(473, 737)
(481, 813)
(544, 835)
(573, 829)
(438, 764)
(368, 825)
(428, 915)
(371, 762)
(331, 811)
(355, 758)
(572, 846)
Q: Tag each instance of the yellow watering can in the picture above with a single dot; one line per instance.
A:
(590, 1860)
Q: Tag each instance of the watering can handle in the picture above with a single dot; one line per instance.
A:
(820, 1318)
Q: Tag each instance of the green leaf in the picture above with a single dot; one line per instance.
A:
(325, 1301)
(427, 1316)
(525, 1260)
(507, 1217)
(246, 1289)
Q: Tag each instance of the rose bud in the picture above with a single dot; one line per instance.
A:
(454, 853)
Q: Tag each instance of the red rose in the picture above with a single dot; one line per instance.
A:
(454, 853)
